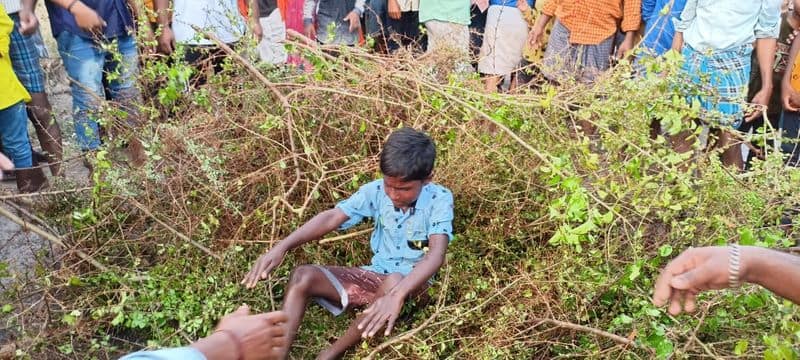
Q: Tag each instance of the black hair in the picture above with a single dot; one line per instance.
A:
(408, 154)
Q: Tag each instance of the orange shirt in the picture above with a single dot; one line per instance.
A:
(592, 21)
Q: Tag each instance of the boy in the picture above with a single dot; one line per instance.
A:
(716, 39)
(658, 27)
(218, 17)
(13, 118)
(503, 40)
(412, 228)
(447, 23)
(337, 21)
(80, 27)
(273, 29)
(582, 40)
(25, 61)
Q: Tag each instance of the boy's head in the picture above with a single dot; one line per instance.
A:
(407, 165)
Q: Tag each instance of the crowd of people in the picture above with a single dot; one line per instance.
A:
(741, 53)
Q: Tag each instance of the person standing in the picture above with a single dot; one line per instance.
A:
(716, 39)
(582, 41)
(25, 61)
(96, 42)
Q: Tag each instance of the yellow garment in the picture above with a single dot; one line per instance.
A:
(11, 90)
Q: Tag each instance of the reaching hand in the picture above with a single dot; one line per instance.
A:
(28, 22)
(166, 42)
(261, 336)
(87, 19)
(693, 271)
(263, 266)
(355, 20)
(385, 310)
(760, 100)
(393, 9)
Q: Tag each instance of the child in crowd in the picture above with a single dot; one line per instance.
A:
(80, 28)
(337, 21)
(393, 23)
(273, 28)
(218, 17)
(582, 40)
(716, 39)
(659, 29)
(13, 118)
(25, 61)
(412, 220)
(503, 40)
(446, 22)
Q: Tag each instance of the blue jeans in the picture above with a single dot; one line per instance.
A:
(14, 135)
(88, 64)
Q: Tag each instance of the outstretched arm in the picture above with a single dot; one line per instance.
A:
(315, 228)
(707, 268)
(386, 309)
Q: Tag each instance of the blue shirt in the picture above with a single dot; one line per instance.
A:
(727, 24)
(398, 237)
(116, 13)
(658, 27)
(183, 353)
(510, 3)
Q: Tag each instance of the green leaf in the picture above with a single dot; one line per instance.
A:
(665, 250)
(746, 237)
(741, 347)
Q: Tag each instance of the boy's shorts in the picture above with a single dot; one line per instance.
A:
(25, 59)
(357, 287)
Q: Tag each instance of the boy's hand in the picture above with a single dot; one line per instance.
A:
(384, 310)
(355, 20)
(310, 31)
(166, 42)
(87, 19)
(393, 9)
(263, 266)
(28, 22)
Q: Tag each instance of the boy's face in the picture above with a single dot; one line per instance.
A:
(403, 193)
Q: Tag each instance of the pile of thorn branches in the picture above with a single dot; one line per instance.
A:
(558, 234)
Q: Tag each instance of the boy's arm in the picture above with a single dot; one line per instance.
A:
(315, 228)
(166, 41)
(28, 22)
(787, 92)
(85, 17)
(386, 309)
(255, 14)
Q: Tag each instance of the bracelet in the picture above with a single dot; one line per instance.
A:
(69, 7)
(239, 347)
(733, 266)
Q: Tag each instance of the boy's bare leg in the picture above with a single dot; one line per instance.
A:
(47, 130)
(353, 334)
(491, 82)
(305, 283)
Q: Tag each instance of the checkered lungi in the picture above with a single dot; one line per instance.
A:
(723, 77)
(563, 60)
(25, 59)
